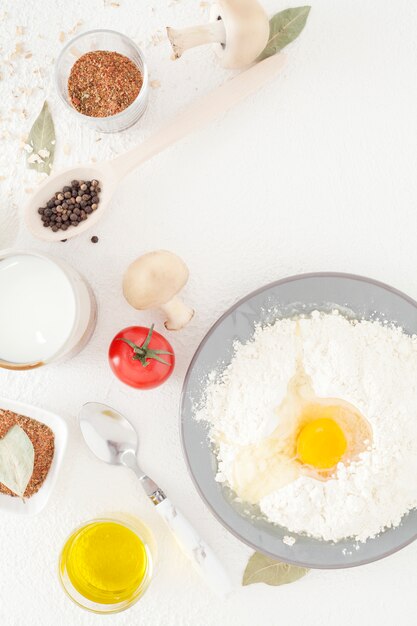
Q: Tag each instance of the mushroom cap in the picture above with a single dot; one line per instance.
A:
(247, 31)
(154, 279)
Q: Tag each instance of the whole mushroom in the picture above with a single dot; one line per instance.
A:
(153, 281)
(238, 28)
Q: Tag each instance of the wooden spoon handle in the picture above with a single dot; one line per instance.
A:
(200, 113)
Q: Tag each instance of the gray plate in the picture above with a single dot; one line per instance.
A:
(355, 296)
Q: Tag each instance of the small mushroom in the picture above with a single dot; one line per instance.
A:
(154, 280)
(238, 28)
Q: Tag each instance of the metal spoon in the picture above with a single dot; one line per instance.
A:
(110, 173)
(112, 438)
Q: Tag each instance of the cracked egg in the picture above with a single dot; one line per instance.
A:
(313, 435)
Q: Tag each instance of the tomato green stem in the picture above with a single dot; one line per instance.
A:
(143, 353)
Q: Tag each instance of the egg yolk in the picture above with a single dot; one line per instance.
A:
(321, 443)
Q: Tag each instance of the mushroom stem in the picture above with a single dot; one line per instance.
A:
(178, 314)
(184, 38)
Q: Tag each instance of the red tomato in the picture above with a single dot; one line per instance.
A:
(141, 357)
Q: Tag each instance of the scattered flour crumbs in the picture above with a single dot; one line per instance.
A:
(369, 364)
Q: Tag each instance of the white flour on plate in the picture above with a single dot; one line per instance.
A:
(371, 365)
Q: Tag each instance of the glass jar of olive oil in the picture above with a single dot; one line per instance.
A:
(106, 565)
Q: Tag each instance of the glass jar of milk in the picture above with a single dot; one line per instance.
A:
(47, 310)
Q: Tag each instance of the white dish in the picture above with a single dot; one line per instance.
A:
(39, 500)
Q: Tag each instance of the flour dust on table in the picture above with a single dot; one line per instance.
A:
(315, 421)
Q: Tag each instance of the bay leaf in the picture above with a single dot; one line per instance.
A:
(263, 569)
(17, 458)
(284, 27)
(42, 141)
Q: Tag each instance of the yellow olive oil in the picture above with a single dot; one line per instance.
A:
(106, 562)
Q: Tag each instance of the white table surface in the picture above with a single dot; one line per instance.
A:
(316, 172)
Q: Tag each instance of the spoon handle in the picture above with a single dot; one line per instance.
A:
(200, 113)
(200, 554)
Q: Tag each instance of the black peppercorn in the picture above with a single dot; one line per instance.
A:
(71, 205)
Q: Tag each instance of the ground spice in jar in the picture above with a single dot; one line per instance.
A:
(43, 442)
(102, 83)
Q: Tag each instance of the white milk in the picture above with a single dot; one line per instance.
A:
(37, 308)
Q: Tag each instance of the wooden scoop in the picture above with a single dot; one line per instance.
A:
(110, 173)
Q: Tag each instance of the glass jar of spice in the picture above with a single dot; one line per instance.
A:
(113, 69)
